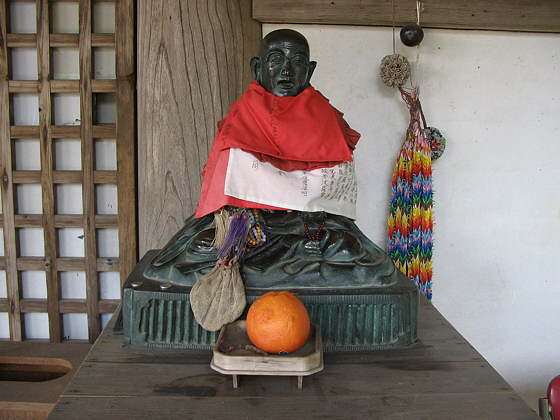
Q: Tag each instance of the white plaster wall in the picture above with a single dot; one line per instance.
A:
(494, 96)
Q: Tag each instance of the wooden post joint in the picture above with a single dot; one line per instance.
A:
(12, 306)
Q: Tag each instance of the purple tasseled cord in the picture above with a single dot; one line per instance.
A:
(234, 242)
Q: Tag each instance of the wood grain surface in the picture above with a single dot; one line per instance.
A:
(8, 210)
(46, 112)
(125, 57)
(88, 187)
(34, 399)
(49, 177)
(440, 377)
(193, 62)
(509, 15)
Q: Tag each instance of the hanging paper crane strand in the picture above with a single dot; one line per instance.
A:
(411, 217)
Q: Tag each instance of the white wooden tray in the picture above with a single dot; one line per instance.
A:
(303, 362)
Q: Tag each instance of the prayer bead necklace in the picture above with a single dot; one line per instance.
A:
(256, 234)
(316, 236)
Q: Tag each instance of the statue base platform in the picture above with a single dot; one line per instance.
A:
(158, 314)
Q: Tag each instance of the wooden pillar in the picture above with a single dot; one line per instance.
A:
(126, 134)
(9, 261)
(193, 61)
(47, 169)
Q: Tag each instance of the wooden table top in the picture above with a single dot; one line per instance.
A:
(440, 377)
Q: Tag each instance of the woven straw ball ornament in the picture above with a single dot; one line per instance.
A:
(395, 70)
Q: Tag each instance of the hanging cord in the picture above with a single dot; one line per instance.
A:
(394, 24)
(413, 103)
(417, 64)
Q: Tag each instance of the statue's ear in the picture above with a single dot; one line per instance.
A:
(256, 69)
(312, 65)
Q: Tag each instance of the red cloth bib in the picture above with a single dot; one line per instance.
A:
(292, 132)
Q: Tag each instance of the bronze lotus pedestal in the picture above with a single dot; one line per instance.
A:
(157, 313)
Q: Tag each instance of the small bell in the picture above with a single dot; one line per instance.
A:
(412, 35)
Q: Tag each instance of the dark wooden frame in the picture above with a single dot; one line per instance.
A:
(506, 15)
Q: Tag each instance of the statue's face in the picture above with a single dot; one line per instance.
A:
(285, 68)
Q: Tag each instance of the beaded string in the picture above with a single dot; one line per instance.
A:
(257, 234)
(249, 347)
(316, 236)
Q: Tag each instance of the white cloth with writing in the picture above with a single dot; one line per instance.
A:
(333, 190)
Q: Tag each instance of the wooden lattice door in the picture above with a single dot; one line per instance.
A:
(49, 177)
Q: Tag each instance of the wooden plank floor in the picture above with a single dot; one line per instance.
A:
(34, 399)
(442, 376)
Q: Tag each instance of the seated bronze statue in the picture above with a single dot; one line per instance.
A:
(282, 164)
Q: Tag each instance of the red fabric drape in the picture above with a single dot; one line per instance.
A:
(302, 132)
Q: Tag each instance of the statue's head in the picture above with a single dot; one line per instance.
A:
(283, 67)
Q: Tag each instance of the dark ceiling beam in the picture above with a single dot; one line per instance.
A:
(504, 15)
